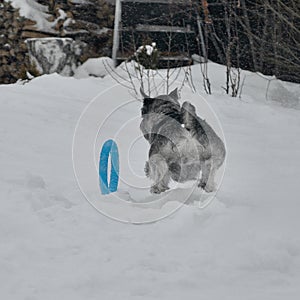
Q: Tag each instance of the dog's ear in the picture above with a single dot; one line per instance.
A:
(174, 94)
(143, 93)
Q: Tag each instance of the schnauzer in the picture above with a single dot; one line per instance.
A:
(182, 145)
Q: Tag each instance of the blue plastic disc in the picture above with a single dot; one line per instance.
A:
(109, 148)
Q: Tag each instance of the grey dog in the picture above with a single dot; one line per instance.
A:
(182, 145)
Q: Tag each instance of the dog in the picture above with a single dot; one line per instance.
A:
(182, 145)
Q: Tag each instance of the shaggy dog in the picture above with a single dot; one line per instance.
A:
(182, 145)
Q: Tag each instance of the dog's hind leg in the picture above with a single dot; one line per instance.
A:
(210, 185)
(208, 176)
(159, 173)
(147, 169)
(205, 168)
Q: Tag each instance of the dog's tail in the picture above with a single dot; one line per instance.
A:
(188, 115)
(194, 124)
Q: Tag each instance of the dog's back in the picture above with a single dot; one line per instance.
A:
(158, 111)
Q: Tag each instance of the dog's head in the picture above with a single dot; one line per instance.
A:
(159, 103)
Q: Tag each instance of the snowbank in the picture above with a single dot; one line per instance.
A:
(284, 94)
(54, 245)
(98, 67)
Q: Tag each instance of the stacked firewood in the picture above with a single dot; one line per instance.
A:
(13, 50)
(90, 22)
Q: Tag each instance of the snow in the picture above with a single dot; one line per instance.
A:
(198, 59)
(35, 11)
(62, 16)
(148, 48)
(244, 245)
(39, 13)
(68, 22)
(284, 95)
(98, 67)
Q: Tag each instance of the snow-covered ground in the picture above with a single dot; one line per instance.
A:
(55, 245)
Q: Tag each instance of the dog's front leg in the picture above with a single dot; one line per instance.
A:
(147, 169)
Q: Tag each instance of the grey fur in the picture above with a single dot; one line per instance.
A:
(179, 152)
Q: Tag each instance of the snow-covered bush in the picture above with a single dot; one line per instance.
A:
(97, 67)
(147, 56)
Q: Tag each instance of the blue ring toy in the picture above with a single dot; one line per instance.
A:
(109, 148)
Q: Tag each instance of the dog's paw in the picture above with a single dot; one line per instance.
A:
(206, 186)
(210, 187)
(156, 189)
(202, 184)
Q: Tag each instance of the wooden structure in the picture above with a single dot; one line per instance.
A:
(165, 22)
